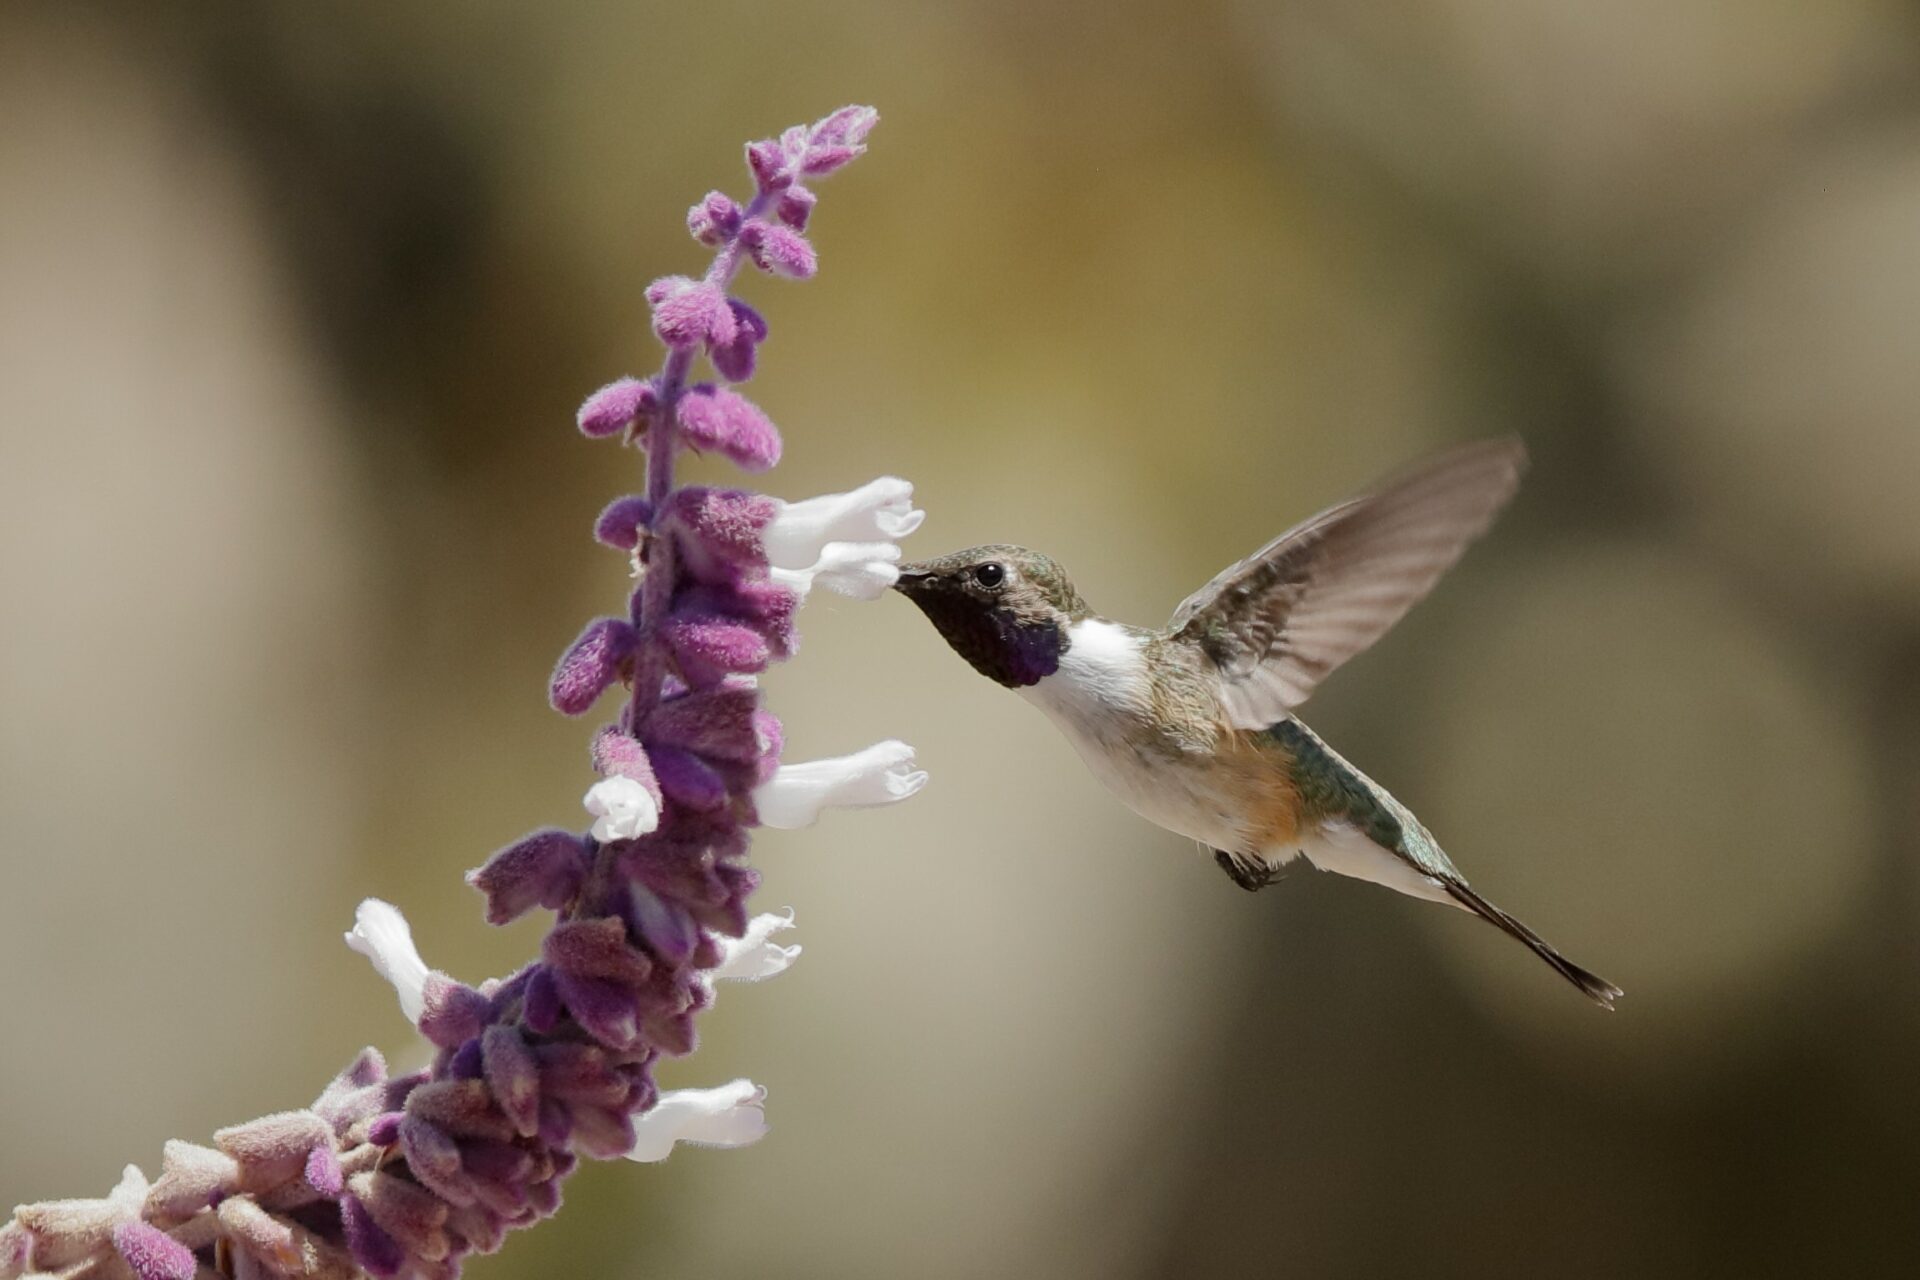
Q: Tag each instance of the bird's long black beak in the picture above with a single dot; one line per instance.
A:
(912, 578)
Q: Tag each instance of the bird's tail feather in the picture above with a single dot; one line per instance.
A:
(1594, 987)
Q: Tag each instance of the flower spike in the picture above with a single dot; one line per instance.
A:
(403, 1177)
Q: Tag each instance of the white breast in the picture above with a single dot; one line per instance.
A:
(1101, 683)
(1101, 699)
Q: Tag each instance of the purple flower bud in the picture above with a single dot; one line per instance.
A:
(268, 1237)
(459, 1108)
(367, 1067)
(496, 1161)
(428, 1148)
(730, 915)
(578, 1072)
(152, 1253)
(689, 312)
(751, 322)
(384, 1129)
(542, 1008)
(603, 1134)
(713, 722)
(692, 871)
(795, 205)
(353, 1094)
(641, 1090)
(400, 1088)
(620, 525)
(674, 1033)
(464, 1063)
(481, 1229)
(709, 649)
(778, 249)
(822, 160)
(376, 1252)
(16, 1248)
(665, 927)
(596, 948)
(595, 661)
(453, 1011)
(616, 406)
(688, 780)
(617, 755)
(406, 1211)
(714, 220)
(718, 420)
(686, 840)
(513, 1076)
(556, 1122)
(542, 869)
(768, 164)
(607, 1011)
(544, 1196)
(719, 530)
(191, 1177)
(849, 126)
(323, 1172)
(273, 1149)
(766, 606)
(735, 360)
(505, 1201)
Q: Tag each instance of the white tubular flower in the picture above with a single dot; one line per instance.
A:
(622, 808)
(755, 955)
(380, 933)
(734, 1115)
(881, 511)
(797, 793)
(863, 570)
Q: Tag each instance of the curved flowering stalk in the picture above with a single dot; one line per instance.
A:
(404, 1176)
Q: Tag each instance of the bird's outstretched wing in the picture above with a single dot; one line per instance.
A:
(1276, 623)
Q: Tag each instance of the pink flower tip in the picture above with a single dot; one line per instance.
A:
(620, 525)
(543, 869)
(849, 126)
(615, 407)
(151, 1253)
(714, 419)
(689, 312)
(734, 360)
(768, 164)
(714, 220)
(795, 206)
(594, 662)
(779, 249)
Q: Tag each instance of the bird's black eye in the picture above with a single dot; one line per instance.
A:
(989, 575)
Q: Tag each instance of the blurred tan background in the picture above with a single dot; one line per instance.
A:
(296, 303)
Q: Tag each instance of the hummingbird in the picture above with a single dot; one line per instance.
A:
(1193, 726)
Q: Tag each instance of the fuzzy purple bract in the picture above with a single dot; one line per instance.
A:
(408, 1175)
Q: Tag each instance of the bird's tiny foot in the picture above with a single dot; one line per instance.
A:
(1250, 873)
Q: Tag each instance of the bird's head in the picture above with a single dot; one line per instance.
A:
(1004, 609)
